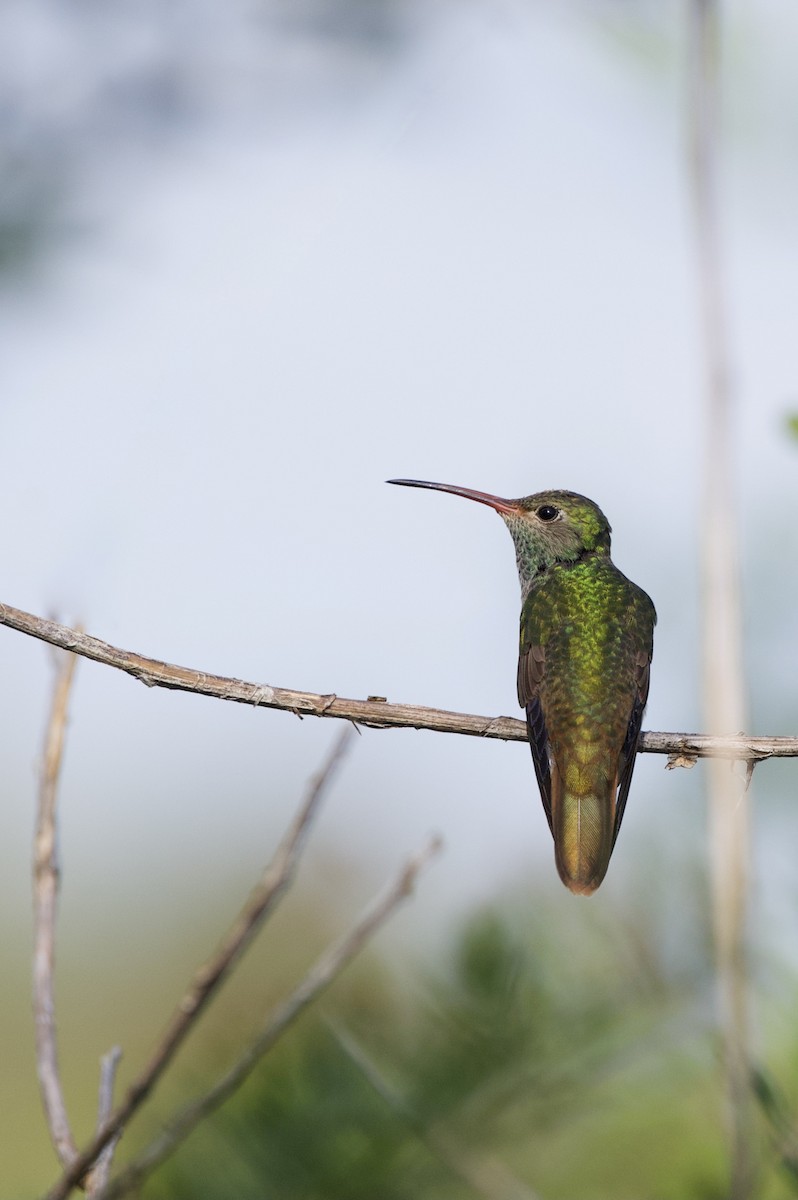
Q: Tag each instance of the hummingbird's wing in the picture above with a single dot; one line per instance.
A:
(585, 648)
(531, 668)
(628, 757)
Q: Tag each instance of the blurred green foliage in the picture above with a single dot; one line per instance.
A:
(792, 424)
(582, 1071)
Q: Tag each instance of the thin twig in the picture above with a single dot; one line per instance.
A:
(97, 1177)
(374, 714)
(486, 1176)
(46, 878)
(724, 686)
(320, 976)
(210, 975)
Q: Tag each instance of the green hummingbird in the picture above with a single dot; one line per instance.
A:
(586, 642)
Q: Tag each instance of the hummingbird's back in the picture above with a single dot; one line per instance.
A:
(586, 644)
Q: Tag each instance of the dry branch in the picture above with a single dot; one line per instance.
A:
(723, 674)
(376, 714)
(97, 1177)
(210, 975)
(320, 976)
(46, 876)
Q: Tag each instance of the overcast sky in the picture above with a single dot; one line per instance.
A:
(458, 250)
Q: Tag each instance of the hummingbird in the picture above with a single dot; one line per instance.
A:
(586, 642)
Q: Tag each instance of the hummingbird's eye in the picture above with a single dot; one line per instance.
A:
(547, 512)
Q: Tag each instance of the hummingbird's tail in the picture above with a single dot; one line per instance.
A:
(583, 825)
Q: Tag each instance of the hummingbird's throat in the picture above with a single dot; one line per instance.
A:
(539, 549)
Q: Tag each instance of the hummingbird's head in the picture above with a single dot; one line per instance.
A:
(547, 527)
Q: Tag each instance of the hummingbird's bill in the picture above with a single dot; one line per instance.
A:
(497, 502)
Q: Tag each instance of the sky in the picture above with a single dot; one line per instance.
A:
(286, 266)
(473, 265)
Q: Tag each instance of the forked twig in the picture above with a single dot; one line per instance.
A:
(326, 968)
(211, 974)
(46, 879)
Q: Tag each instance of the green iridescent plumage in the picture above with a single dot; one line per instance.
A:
(585, 650)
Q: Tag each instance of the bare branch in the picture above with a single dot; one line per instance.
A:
(97, 1177)
(320, 976)
(211, 974)
(374, 713)
(46, 877)
(724, 684)
(486, 1176)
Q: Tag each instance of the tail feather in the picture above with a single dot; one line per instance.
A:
(583, 824)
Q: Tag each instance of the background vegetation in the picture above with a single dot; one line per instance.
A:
(254, 261)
